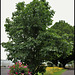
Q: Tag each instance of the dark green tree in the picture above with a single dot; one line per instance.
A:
(56, 46)
(25, 30)
(66, 31)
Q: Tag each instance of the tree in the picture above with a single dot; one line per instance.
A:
(56, 46)
(66, 31)
(24, 29)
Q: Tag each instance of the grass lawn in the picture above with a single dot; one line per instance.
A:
(54, 71)
(59, 72)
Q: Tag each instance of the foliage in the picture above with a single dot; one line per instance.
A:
(25, 32)
(30, 39)
(66, 32)
(19, 69)
(62, 27)
(53, 71)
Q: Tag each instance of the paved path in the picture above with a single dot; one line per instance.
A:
(69, 72)
(4, 71)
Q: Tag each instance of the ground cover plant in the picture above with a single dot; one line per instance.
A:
(53, 71)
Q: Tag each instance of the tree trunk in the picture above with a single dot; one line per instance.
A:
(64, 65)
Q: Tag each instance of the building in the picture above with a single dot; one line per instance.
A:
(6, 63)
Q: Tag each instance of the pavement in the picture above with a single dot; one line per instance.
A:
(4, 71)
(69, 72)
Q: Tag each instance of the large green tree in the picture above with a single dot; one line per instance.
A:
(66, 31)
(58, 48)
(25, 30)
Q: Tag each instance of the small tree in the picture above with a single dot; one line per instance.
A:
(28, 24)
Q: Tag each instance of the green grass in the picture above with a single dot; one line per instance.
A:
(55, 73)
(60, 72)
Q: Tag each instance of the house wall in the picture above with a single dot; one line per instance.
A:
(6, 63)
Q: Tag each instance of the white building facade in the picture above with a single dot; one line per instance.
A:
(6, 63)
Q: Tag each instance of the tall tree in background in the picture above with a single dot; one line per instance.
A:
(66, 31)
(58, 43)
(24, 29)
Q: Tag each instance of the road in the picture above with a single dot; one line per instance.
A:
(4, 71)
(69, 72)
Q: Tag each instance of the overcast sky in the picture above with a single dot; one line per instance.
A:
(64, 10)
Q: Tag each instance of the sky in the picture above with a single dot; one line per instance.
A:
(64, 10)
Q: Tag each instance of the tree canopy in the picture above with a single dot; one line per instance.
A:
(66, 31)
(24, 29)
(30, 39)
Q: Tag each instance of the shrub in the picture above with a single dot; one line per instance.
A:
(19, 69)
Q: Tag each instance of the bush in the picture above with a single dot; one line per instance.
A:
(19, 69)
